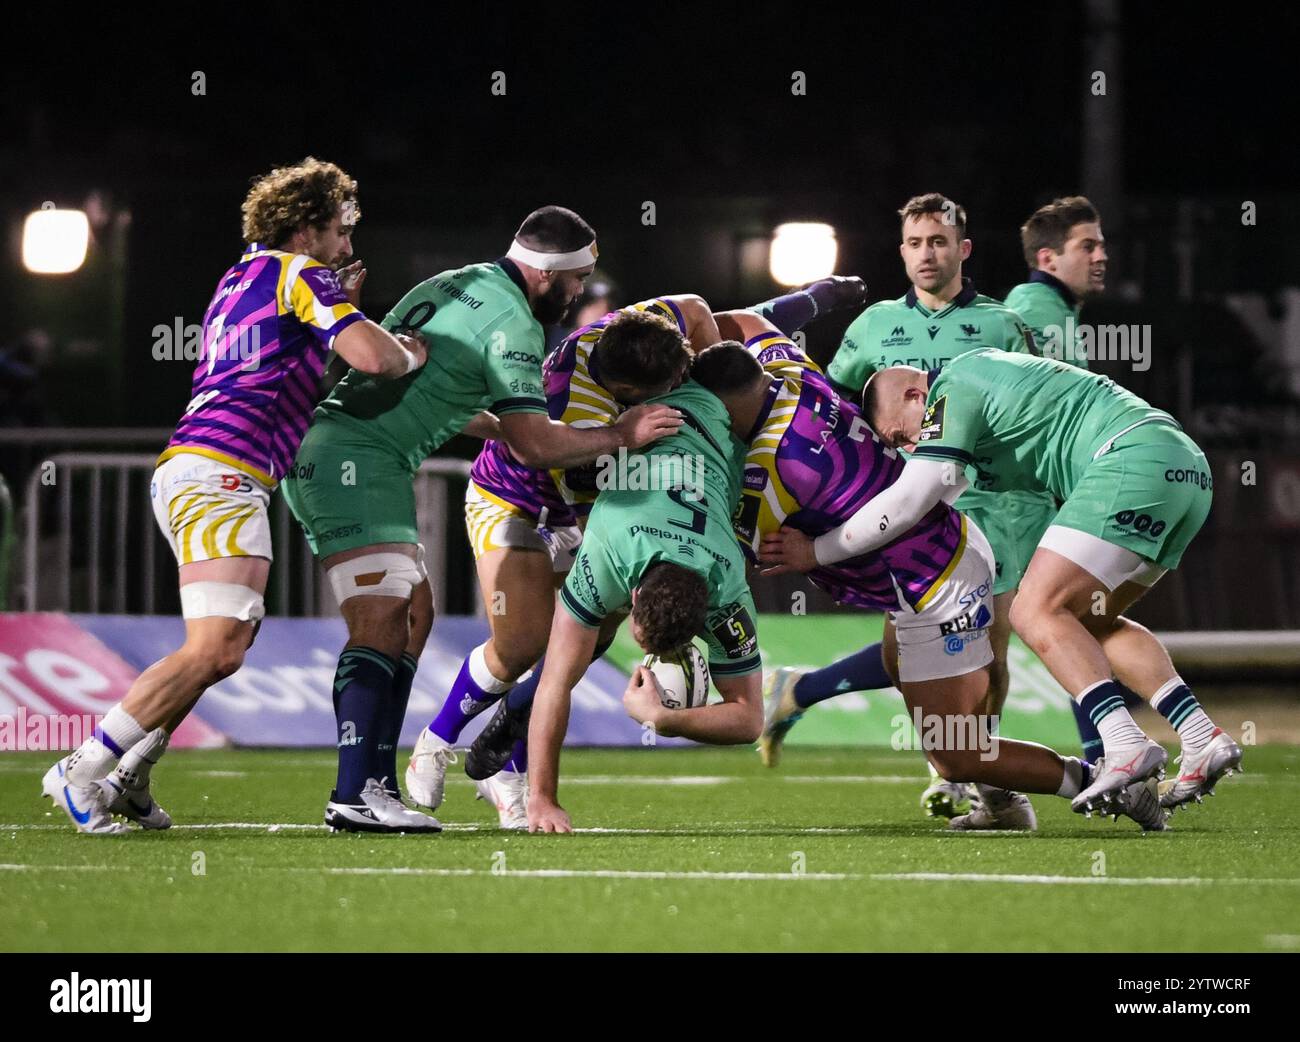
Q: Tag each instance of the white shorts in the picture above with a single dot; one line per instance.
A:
(494, 524)
(949, 636)
(208, 509)
(1109, 564)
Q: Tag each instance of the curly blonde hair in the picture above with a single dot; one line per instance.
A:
(279, 203)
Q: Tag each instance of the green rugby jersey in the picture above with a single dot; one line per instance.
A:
(1024, 422)
(906, 332)
(485, 352)
(632, 526)
(1051, 311)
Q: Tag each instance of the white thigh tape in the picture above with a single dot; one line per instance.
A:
(230, 600)
(377, 575)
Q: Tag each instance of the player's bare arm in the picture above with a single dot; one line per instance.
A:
(541, 442)
(567, 656)
(737, 720)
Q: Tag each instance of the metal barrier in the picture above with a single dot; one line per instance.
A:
(107, 554)
(6, 541)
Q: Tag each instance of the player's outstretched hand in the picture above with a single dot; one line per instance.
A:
(643, 698)
(642, 424)
(415, 343)
(787, 550)
(544, 816)
(351, 278)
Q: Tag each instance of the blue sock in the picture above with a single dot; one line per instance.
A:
(363, 685)
(862, 671)
(519, 759)
(521, 695)
(394, 717)
(468, 697)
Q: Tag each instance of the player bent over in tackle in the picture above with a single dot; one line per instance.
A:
(668, 554)
(619, 360)
(523, 525)
(352, 486)
(941, 316)
(266, 335)
(1134, 490)
(812, 464)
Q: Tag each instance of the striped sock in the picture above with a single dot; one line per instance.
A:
(1103, 705)
(1176, 703)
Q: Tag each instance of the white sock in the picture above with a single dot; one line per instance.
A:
(483, 677)
(133, 770)
(96, 756)
(1072, 780)
(934, 775)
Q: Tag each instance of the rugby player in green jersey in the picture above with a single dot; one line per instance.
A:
(666, 554)
(1134, 491)
(939, 318)
(352, 484)
(1066, 254)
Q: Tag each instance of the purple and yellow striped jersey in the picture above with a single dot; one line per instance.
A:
(573, 396)
(266, 336)
(812, 463)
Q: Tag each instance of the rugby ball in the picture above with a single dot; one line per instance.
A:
(683, 675)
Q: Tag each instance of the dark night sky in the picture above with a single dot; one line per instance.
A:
(686, 105)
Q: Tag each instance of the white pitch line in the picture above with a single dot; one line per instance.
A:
(978, 877)
(1280, 940)
(720, 829)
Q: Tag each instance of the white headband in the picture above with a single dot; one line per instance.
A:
(582, 258)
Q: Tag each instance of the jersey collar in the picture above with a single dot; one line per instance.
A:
(968, 293)
(516, 276)
(1048, 279)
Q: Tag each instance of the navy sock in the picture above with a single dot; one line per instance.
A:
(363, 684)
(862, 671)
(1089, 736)
(521, 695)
(793, 311)
(789, 313)
(394, 717)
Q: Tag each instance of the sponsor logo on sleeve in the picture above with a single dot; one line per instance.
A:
(932, 423)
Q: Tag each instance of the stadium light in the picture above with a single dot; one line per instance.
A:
(802, 252)
(55, 241)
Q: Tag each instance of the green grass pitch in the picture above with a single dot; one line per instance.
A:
(690, 849)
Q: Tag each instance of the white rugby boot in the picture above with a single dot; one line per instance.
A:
(426, 775)
(508, 792)
(378, 811)
(781, 712)
(1013, 813)
(136, 805)
(1112, 774)
(85, 805)
(1200, 771)
(1141, 802)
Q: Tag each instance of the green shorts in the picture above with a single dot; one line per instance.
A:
(1150, 494)
(348, 492)
(1013, 522)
